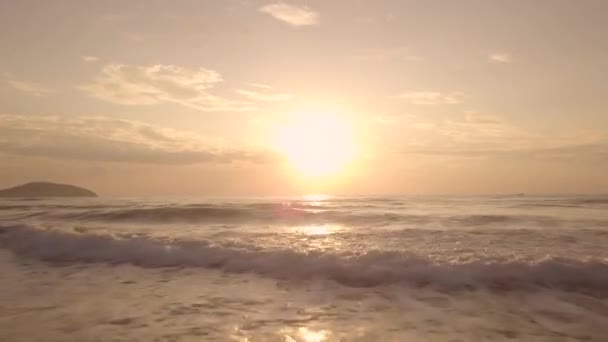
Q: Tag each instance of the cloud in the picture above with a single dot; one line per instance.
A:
(31, 88)
(113, 140)
(90, 59)
(155, 84)
(264, 96)
(497, 57)
(490, 136)
(291, 14)
(432, 97)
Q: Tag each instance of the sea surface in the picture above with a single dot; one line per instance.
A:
(314, 269)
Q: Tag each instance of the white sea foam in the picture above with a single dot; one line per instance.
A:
(415, 268)
(372, 268)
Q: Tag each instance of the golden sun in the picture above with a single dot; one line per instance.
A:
(317, 144)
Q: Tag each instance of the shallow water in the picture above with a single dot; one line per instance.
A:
(423, 268)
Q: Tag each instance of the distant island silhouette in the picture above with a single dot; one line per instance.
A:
(46, 189)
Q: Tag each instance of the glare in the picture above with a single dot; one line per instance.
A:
(317, 144)
(315, 197)
(308, 335)
(318, 229)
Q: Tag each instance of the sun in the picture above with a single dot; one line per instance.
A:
(317, 144)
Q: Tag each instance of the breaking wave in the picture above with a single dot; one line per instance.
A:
(289, 214)
(370, 269)
(217, 214)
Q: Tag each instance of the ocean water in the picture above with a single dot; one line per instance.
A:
(314, 269)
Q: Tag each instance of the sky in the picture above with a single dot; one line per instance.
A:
(188, 97)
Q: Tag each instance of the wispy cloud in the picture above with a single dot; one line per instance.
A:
(35, 89)
(499, 57)
(265, 96)
(114, 140)
(291, 14)
(154, 84)
(432, 97)
(489, 136)
(90, 59)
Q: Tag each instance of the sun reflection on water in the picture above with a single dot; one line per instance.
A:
(318, 229)
(307, 335)
(317, 237)
(315, 199)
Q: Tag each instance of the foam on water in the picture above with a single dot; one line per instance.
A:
(372, 268)
(415, 268)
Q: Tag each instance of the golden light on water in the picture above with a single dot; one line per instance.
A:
(301, 334)
(317, 144)
(318, 229)
(315, 198)
(307, 335)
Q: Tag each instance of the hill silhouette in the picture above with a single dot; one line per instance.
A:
(46, 189)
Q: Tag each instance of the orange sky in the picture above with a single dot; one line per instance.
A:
(154, 97)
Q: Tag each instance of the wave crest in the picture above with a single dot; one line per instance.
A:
(374, 268)
(297, 214)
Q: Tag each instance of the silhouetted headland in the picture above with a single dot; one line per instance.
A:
(46, 189)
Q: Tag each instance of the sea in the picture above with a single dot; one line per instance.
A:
(312, 269)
